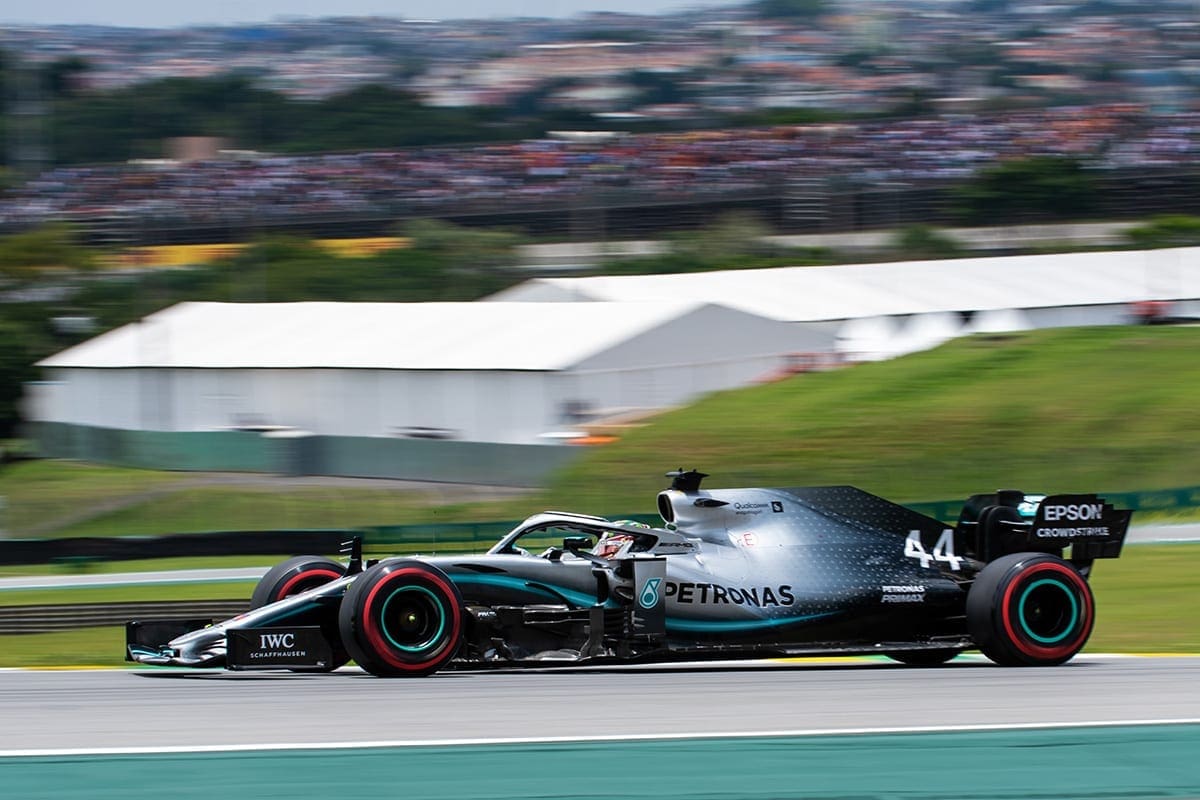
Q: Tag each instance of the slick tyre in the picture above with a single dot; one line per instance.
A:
(294, 576)
(298, 575)
(1030, 609)
(402, 619)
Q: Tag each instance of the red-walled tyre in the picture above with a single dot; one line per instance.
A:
(296, 575)
(402, 619)
(1030, 609)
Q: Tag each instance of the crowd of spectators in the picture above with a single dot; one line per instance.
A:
(556, 170)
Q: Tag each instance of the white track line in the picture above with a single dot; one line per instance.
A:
(133, 578)
(652, 737)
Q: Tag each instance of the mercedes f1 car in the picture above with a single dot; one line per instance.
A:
(730, 573)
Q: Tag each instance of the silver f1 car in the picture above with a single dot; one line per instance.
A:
(731, 573)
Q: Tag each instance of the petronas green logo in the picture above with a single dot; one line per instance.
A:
(649, 596)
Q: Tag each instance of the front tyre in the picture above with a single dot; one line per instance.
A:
(402, 619)
(296, 575)
(1030, 609)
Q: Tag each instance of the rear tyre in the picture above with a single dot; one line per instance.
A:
(296, 575)
(923, 658)
(1030, 609)
(402, 619)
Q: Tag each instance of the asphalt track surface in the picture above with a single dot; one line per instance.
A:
(860, 730)
(160, 708)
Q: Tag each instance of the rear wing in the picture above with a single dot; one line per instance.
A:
(1093, 527)
(1010, 521)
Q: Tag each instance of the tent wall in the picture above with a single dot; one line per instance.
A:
(1071, 316)
(513, 407)
(364, 457)
(711, 335)
(478, 406)
(668, 361)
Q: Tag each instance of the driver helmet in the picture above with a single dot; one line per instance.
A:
(612, 543)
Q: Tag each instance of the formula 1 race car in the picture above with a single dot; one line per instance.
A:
(731, 573)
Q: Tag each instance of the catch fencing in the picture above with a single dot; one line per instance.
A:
(797, 204)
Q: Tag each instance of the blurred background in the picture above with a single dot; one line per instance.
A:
(281, 273)
(787, 242)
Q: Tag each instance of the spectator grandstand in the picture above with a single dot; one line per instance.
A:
(613, 170)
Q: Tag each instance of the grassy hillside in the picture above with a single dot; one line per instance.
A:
(1065, 410)
(63, 498)
(1080, 409)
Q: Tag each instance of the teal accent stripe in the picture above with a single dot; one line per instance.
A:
(304, 609)
(441, 611)
(1074, 611)
(579, 598)
(673, 624)
(731, 626)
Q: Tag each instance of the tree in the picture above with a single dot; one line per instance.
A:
(470, 262)
(64, 77)
(278, 269)
(923, 242)
(24, 256)
(1043, 186)
(660, 88)
(737, 235)
(789, 9)
(1172, 230)
(16, 367)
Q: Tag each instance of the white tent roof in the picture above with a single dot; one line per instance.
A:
(848, 291)
(432, 336)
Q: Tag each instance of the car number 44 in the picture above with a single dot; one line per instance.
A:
(942, 551)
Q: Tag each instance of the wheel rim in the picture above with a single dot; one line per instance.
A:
(412, 619)
(1048, 611)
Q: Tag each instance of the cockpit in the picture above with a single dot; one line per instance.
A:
(556, 538)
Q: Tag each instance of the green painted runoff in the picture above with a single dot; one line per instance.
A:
(1078, 763)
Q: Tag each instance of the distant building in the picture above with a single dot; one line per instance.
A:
(516, 373)
(871, 311)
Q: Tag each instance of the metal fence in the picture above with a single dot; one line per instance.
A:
(789, 204)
